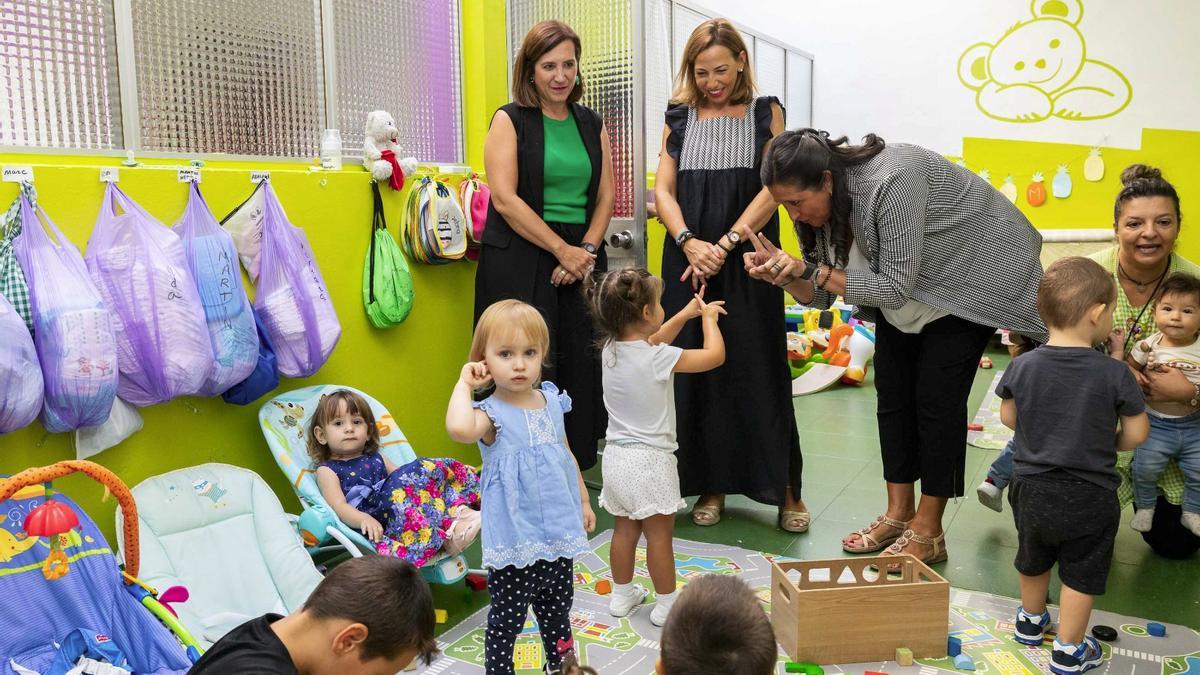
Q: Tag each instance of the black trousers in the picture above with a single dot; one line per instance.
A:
(546, 586)
(1167, 536)
(922, 382)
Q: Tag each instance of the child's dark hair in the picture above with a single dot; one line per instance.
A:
(616, 299)
(1140, 180)
(385, 594)
(1070, 287)
(1180, 283)
(327, 409)
(718, 627)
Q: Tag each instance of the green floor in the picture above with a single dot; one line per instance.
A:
(843, 489)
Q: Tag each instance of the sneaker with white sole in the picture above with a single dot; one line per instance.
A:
(991, 496)
(1031, 628)
(1143, 520)
(621, 604)
(1070, 659)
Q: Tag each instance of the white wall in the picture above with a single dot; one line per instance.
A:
(890, 66)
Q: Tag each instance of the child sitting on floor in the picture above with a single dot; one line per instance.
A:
(641, 479)
(408, 512)
(718, 627)
(1063, 401)
(372, 614)
(536, 512)
(1174, 427)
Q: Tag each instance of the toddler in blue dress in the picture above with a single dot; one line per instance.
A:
(535, 506)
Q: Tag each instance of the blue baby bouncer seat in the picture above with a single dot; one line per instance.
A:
(284, 420)
(90, 611)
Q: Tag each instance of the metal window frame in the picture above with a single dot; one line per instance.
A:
(131, 116)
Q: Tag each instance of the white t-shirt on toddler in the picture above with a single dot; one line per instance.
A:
(639, 393)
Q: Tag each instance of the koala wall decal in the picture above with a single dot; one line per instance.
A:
(1040, 69)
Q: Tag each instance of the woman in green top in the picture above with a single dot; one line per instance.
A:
(550, 171)
(1146, 223)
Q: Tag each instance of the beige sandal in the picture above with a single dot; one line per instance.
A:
(937, 548)
(871, 544)
(707, 516)
(795, 521)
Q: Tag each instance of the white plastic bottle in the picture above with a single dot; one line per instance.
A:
(331, 150)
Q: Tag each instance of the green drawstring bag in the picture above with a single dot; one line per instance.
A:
(387, 284)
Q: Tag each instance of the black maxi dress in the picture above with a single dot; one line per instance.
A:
(736, 426)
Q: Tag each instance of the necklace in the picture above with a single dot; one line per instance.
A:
(1142, 285)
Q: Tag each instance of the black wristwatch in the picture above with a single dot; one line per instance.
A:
(809, 270)
(683, 237)
(587, 246)
(734, 237)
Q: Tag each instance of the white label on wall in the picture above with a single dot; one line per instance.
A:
(191, 175)
(109, 174)
(18, 174)
(259, 176)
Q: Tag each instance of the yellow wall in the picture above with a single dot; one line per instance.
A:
(411, 368)
(1090, 204)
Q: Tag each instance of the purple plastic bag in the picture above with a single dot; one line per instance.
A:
(212, 260)
(20, 374)
(292, 297)
(163, 348)
(73, 330)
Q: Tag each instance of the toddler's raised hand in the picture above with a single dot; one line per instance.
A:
(712, 309)
(475, 374)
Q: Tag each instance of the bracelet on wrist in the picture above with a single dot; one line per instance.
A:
(817, 281)
(1195, 402)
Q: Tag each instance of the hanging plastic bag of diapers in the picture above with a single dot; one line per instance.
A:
(212, 260)
(433, 224)
(20, 373)
(387, 283)
(245, 224)
(292, 297)
(72, 328)
(163, 350)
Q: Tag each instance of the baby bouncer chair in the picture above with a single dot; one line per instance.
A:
(66, 602)
(284, 421)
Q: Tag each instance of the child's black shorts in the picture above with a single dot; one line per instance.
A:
(1068, 520)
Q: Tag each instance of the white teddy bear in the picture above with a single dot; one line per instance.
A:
(380, 151)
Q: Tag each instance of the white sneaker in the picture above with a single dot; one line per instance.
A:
(1191, 521)
(621, 604)
(991, 496)
(1142, 520)
(658, 615)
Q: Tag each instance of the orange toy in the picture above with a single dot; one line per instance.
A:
(837, 342)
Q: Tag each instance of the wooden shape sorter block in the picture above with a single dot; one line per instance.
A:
(841, 611)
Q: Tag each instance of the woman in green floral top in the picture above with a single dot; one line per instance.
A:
(1146, 223)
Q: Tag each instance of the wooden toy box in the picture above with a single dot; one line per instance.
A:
(840, 611)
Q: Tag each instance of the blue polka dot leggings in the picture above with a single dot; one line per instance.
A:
(547, 586)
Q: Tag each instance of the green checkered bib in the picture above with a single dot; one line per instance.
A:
(12, 279)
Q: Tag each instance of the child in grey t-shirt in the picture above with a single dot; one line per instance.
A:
(1064, 401)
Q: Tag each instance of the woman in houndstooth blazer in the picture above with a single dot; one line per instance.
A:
(938, 259)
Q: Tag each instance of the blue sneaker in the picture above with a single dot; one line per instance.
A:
(1031, 628)
(1071, 659)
